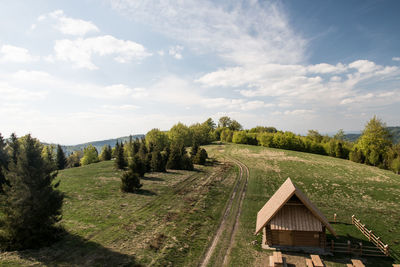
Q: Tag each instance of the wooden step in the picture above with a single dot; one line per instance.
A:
(309, 263)
(317, 261)
(357, 263)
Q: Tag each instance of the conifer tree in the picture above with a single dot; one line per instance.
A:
(3, 162)
(30, 205)
(157, 162)
(106, 153)
(14, 147)
(201, 157)
(138, 166)
(175, 157)
(120, 162)
(130, 181)
(61, 160)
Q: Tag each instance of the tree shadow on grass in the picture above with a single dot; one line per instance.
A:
(73, 250)
(155, 179)
(145, 192)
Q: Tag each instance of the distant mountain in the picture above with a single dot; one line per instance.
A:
(394, 131)
(99, 144)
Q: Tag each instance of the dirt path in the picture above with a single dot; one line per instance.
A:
(238, 194)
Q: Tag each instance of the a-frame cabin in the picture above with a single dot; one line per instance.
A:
(290, 219)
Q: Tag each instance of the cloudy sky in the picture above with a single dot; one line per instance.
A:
(83, 70)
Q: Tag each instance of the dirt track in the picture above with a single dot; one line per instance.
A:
(237, 195)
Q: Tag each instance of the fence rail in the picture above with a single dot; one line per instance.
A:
(384, 248)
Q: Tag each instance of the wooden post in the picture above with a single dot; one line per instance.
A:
(349, 246)
(352, 219)
(332, 245)
(369, 235)
(334, 217)
(386, 250)
(360, 248)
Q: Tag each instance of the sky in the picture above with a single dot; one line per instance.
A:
(78, 71)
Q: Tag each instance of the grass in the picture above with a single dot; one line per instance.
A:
(334, 185)
(167, 223)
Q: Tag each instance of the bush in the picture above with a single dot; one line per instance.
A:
(201, 157)
(130, 181)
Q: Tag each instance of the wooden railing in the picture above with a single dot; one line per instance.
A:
(371, 236)
(358, 249)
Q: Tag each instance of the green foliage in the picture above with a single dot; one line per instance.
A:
(200, 157)
(201, 133)
(157, 163)
(374, 142)
(239, 137)
(235, 126)
(315, 136)
(4, 159)
(30, 205)
(90, 155)
(120, 162)
(395, 165)
(224, 122)
(179, 159)
(130, 181)
(138, 166)
(13, 146)
(356, 155)
(74, 160)
(226, 135)
(180, 134)
(49, 157)
(61, 160)
(106, 153)
(263, 129)
(157, 139)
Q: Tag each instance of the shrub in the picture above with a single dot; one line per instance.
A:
(130, 181)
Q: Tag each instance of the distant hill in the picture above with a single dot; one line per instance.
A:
(394, 131)
(99, 144)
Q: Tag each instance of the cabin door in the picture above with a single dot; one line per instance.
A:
(286, 238)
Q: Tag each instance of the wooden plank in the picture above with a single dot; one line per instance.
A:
(271, 261)
(278, 257)
(349, 265)
(396, 265)
(357, 263)
(309, 263)
(317, 261)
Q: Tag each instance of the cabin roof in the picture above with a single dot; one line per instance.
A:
(280, 198)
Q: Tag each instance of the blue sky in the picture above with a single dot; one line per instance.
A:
(77, 71)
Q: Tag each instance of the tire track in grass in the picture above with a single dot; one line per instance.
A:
(238, 194)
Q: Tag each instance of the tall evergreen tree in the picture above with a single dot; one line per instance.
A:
(157, 162)
(3, 162)
(106, 153)
(120, 162)
(138, 166)
(13, 144)
(31, 205)
(61, 160)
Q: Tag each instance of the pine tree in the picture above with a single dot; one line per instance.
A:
(14, 147)
(120, 162)
(201, 157)
(106, 153)
(30, 205)
(138, 166)
(175, 157)
(130, 181)
(157, 162)
(194, 150)
(61, 160)
(3, 162)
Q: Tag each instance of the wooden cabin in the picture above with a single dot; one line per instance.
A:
(290, 219)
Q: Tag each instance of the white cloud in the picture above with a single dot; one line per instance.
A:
(243, 32)
(364, 66)
(10, 53)
(176, 51)
(396, 58)
(70, 26)
(81, 51)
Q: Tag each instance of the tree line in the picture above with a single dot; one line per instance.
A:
(374, 147)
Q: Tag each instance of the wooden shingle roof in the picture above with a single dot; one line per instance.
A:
(279, 199)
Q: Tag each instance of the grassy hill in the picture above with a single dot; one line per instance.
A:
(334, 185)
(167, 223)
(394, 131)
(172, 220)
